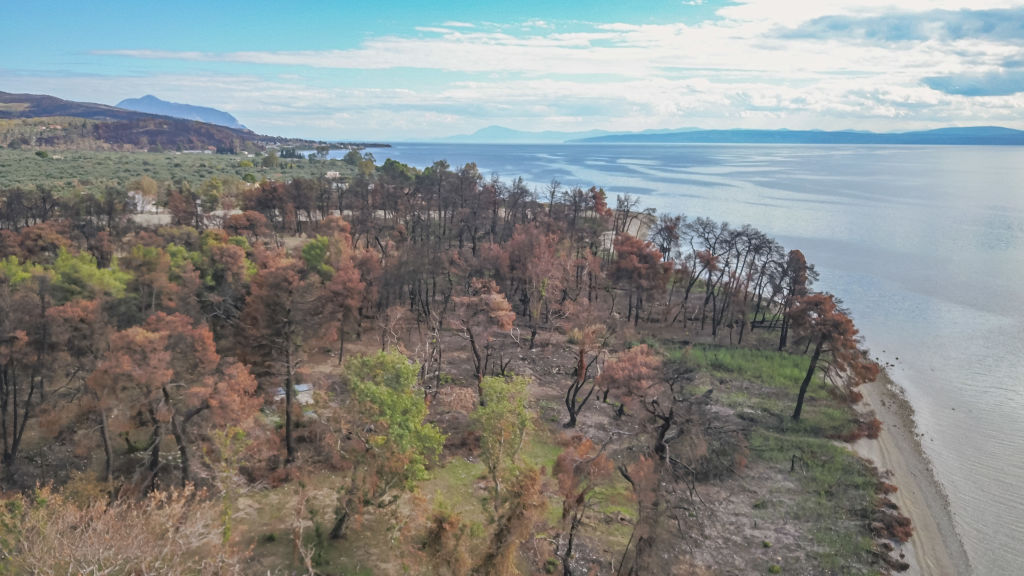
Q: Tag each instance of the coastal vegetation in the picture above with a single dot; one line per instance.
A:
(70, 171)
(216, 364)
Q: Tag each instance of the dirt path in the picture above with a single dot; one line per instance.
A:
(934, 549)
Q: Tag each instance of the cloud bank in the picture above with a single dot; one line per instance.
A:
(832, 64)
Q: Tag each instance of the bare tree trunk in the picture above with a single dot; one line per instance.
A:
(108, 453)
(289, 392)
(577, 519)
(154, 452)
(179, 438)
(478, 364)
(341, 338)
(807, 378)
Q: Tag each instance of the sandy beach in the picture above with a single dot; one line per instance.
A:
(934, 549)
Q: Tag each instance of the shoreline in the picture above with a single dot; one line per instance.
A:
(935, 547)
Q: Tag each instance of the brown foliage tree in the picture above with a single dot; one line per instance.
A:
(446, 541)
(638, 558)
(638, 265)
(633, 377)
(184, 208)
(166, 373)
(525, 502)
(345, 289)
(820, 319)
(81, 338)
(249, 224)
(590, 342)
(534, 268)
(794, 280)
(24, 352)
(580, 469)
(481, 315)
(278, 310)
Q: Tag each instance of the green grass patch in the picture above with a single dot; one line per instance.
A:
(540, 449)
(550, 411)
(823, 420)
(615, 498)
(837, 488)
(828, 470)
(820, 419)
(823, 415)
(454, 483)
(838, 492)
(776, 369)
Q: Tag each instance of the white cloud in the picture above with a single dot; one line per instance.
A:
(782, 12)
(739, 70)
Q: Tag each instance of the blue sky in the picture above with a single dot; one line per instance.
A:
(391, 70)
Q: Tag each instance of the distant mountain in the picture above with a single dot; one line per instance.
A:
(40, 105)
(153, 105)
(966, 136)
(47, 121)
(502, 135)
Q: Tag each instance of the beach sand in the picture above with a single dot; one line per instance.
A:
(934, 549)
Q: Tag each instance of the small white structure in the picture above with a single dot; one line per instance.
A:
(303, 394)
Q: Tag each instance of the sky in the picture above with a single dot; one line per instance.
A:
(396, 70)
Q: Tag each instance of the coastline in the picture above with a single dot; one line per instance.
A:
(935, 548)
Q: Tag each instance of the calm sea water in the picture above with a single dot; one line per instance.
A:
(924, 244)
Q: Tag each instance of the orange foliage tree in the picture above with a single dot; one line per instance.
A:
(481, 315)
(278, 311)
(639, 267)
(643, 475)
(820, 318)
(24, 362)
(590, 343)
(580, 469)
(166, 373)
(534, 267)
(524, 504)
(81, 337)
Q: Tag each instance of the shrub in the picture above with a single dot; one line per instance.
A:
(177, 532)
(886, 488)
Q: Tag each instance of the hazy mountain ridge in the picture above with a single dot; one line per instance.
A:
(503, 135)
(971, 135)
(41, 105)
(964, 136)
(150, 104)
(85, 125)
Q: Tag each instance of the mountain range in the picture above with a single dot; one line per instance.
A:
(964, 136)
(50, 122)
(503, 135)
(152, 105)
(149, 122)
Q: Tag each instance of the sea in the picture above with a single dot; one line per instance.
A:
(924, 244)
